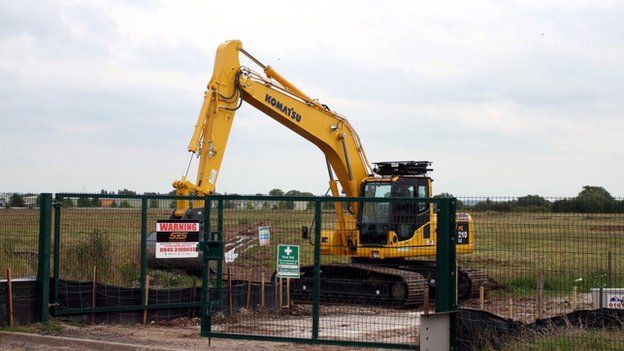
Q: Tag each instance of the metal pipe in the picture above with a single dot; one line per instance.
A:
(188, 165)
(252, 58)
(346, 154)
(329, 170)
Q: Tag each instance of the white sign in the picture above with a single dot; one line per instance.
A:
(615, 301)
(264, 235)
(213, 176)
(177, 239)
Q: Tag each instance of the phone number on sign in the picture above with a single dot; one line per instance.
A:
(178, 249)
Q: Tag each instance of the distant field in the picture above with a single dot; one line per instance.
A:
(514, 247)
(511, 247)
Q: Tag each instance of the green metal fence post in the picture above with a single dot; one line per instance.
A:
(57, 245)
(205, 315)
(143, 248)
(43, 271)
(218, 294)
(445, 256)
(316, 294)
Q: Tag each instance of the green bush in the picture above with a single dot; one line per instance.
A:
(93, 249)
(166, 279)
(129, 272)
(7, 252)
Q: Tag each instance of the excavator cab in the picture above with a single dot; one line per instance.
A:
(388, 223)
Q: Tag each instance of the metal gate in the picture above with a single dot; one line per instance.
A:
(243, 298)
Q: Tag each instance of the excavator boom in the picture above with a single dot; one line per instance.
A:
(230, 85)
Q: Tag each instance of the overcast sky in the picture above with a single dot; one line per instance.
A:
(509, 99)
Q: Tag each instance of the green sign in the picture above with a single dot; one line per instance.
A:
(288, 261)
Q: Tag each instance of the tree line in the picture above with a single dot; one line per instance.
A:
(273, 205)
(591, 199)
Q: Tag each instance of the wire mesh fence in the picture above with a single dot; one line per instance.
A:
(354, 301)
(551, 264)
(102, 245)
(19, 235)
(547, 272)
(362, 297)
(255, 301)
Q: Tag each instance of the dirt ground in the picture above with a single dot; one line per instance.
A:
(352, 323)
(180, 338)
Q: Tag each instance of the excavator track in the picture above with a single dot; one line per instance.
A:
(362, 284)
(397, 285)
(414, 283)
(475, 279)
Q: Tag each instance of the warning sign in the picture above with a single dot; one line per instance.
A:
(288, 261)
(177, 239)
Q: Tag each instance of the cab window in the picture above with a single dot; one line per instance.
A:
(422, 193)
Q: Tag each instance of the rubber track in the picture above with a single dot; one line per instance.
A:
(477, 278)
(415, 282)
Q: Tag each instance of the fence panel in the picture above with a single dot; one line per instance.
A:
(103, 270)
(98, 254)
(19, 235)
(254, 301)
(164, 284)
(547, 269)
(359, 310)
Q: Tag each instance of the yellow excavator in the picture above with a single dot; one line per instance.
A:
(380, 239)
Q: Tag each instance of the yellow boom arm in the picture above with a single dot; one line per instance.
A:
(276, 97)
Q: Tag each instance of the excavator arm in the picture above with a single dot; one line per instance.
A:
(230, 85)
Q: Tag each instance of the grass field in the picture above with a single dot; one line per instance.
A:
(512, 247)
(515, 247)
(570, 340)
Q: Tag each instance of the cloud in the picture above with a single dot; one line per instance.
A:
(506, 100)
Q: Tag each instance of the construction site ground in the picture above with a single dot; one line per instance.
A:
(177, 335)
(336, 322)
